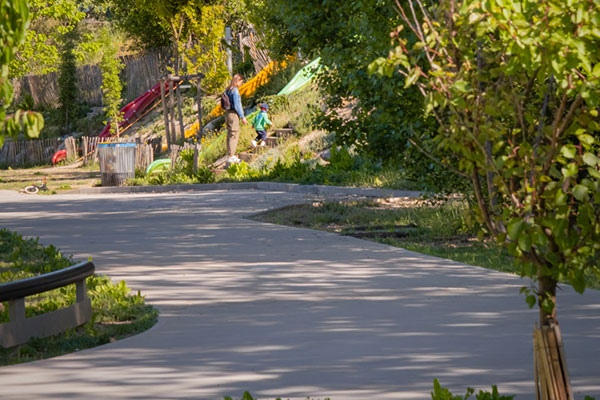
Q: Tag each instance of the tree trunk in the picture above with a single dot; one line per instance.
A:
(547, 290)
(179, 112)
(551, 374)
(172, 112)
(199, 101)
(165, 113)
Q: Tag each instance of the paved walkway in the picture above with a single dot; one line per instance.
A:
(281, 311)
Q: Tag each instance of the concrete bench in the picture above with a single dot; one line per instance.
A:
(20, 329)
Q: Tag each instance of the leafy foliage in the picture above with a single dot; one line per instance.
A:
(112, 87)
(14, 20)
(182, 173)
(515, 88)
(382, 118)
(206, 54)
(39, 53)
(442, 393)
(139, 23)
(67, 81)
(193, 28)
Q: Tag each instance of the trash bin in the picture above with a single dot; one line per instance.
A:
(117, 162)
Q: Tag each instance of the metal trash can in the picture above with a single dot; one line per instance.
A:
(117, 162)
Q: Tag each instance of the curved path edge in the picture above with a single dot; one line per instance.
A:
(271, 186)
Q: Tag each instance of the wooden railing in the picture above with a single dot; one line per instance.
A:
(20, 329)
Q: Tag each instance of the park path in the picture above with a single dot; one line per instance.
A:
(281, 311)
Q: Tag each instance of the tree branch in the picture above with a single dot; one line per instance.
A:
(427, 154)
(558, 131)
(481, 202)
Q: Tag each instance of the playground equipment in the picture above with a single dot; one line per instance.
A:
(160, 165)
(131, 112)
(247, 90)
(59, 156)
(134, 110)
(302, 78)
(137, 108)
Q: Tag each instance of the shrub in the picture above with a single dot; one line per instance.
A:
(441, 393)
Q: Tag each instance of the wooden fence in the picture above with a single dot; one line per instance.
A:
(25, 153)
(141, 72)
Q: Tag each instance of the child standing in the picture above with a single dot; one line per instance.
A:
(259, 124)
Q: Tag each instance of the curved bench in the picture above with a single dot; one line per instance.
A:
(20, 329)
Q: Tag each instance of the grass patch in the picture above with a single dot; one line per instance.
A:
(58, 179)
(116, 312)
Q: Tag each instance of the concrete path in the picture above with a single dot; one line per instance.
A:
(281, 311)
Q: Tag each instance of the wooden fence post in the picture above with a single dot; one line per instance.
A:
(84, 145)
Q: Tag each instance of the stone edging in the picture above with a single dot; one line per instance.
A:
(273, 186)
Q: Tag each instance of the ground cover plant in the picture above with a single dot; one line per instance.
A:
(344, 168)
(116, 312)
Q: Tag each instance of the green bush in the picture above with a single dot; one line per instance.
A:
(242, 171)
(182, 173)
(442, 393)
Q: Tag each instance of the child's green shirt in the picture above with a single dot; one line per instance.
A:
(261, 120)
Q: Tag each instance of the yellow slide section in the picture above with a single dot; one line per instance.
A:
(246, 90)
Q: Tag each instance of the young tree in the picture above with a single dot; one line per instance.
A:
(111, 67)
(204, 52)
(67, 81)
(14, 19)
(515, 88)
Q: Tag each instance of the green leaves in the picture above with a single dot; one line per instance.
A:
(413, 76)
(591, 159)
(501, 80)
(531, 300)
(39, 53)
(515, 227)
(111, 67)
(580, 192)
(442, 393)
(14, 19)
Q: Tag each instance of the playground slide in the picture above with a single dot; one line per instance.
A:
(131, 112)
(159, 165)
(304, 76)
(134, 109)
(247, 90)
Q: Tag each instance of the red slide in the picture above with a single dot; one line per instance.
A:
(134, 110)
(131, 112)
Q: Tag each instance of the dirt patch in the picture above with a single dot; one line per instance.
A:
(59, 179)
